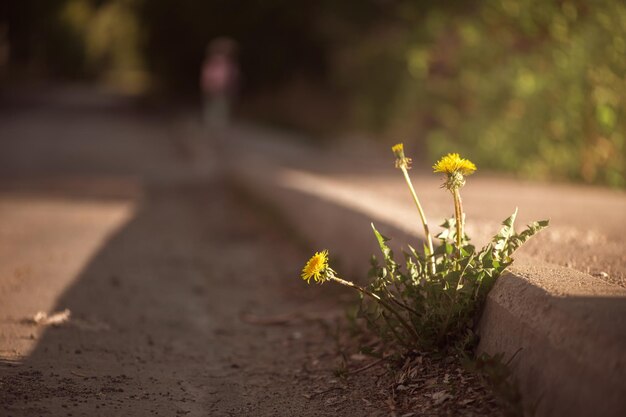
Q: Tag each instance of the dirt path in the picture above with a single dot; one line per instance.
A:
(169, 278)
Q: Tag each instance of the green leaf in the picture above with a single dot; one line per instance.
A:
(382, 242)
(414, 252)
(511, 220)
(443, 235)
(508, 229)
(531, 230)
(449, 230)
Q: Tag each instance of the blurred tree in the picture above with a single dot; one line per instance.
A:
(74, 39)
(276, 38)
(39, 43)
(535, 87)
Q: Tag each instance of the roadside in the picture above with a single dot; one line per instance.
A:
(184, 298)
(557, 314)
(587, 224)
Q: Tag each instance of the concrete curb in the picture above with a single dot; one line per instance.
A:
(566, 329)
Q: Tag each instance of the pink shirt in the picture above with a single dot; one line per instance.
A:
(219, 75)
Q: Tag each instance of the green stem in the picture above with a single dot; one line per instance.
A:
(442, 330)
(429, 239)
(382, 302)
(458, 214)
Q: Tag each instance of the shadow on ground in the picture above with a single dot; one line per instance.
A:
(157, 312)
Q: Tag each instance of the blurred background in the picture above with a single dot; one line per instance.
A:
(533, 87)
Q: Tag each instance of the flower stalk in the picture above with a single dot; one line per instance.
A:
(317, 268)
(459, 216)
(404, 164)
(456, 169)
(380, 301)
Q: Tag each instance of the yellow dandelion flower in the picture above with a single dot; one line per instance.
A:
(401, 160)
(315, 267)
(455, 168)
(398, 149)
(452, 163)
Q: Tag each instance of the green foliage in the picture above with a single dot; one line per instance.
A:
(540, 90)
(78, 39)
(442, 308)
(533, 87)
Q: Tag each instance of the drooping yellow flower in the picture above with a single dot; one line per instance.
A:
(452, 163)
(316, 267)
(401, 160)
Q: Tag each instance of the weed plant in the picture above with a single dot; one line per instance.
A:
(432, 300)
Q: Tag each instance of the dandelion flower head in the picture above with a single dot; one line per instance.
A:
(452, 163)
(398, 149)
(401, 160)
(455, 168)
(316, 267)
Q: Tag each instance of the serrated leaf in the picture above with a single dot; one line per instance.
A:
(509, 222)
(447, 223)
(413, 252)
(382, 242)
(443, 235)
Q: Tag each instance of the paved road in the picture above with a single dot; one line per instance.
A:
(120, 216)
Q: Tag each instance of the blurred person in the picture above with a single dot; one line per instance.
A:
(219, 80)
